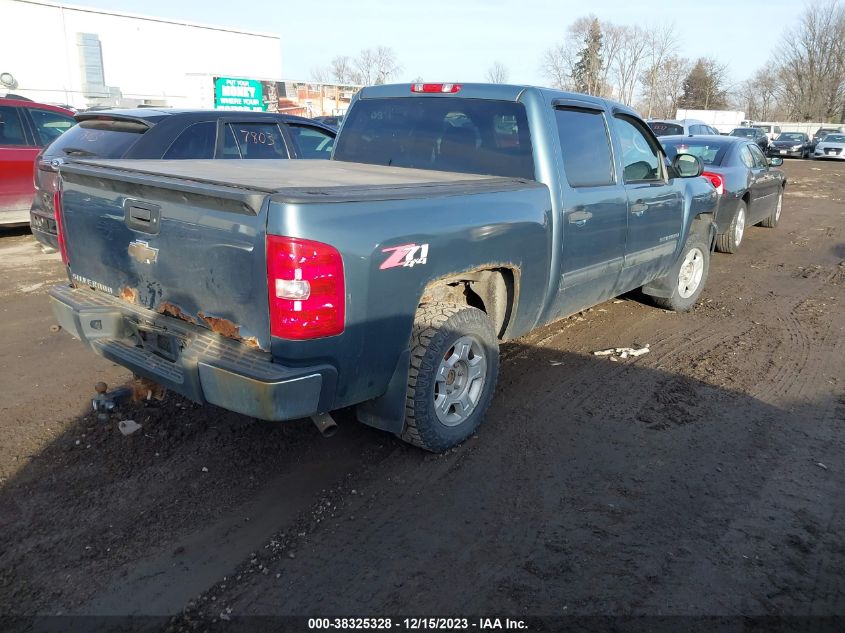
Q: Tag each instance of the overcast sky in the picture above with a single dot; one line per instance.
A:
(457, 40)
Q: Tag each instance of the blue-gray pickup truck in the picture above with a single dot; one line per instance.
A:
(450, 218)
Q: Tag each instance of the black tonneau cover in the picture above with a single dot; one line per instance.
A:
(301, 180)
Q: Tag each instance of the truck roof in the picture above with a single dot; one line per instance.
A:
(503, 92)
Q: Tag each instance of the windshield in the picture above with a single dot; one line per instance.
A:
(765, 128)
(709, 153)
(745, 132)
(661, 128)
(834, 138)
(473, 136)
(821, 133)
(104, 138)
(797, 138)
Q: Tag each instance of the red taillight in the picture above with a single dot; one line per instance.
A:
(435, 87)
(306, 288)
(717, 181)
(60, 231)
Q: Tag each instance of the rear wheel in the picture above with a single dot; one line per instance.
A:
(689, 276)
(454, 367)
(772, 221)
(729, 241)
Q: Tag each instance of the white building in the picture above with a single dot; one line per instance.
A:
(58, 53)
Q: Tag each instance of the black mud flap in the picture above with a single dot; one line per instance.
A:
(387, 412)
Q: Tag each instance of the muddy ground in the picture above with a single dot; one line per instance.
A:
(706, 477)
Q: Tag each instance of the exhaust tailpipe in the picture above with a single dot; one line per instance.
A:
(325, 424)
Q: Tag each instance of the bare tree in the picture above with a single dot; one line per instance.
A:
(811, 60)
(497, 73)
(386, 64)
(627, 61)
(613, 41)
(341, 69)
(320, 74)
(758, 96)
(661, 42)
(556, 65)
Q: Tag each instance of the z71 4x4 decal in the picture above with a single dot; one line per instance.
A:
(405, 255)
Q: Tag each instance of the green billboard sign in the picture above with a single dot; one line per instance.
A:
(238, 94)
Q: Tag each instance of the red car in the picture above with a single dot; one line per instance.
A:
(26, 128)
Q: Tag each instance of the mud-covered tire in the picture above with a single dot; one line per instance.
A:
(729, 241)
(696, 252)
(428, 414)
(773, 220)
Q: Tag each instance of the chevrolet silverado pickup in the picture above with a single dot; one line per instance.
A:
(451, 217)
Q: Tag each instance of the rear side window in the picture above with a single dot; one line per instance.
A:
(665, 129)
(104, 138)
(708, 153)
(585, 145)
(472, 136)
(312, 142)
(254, 141)
(50, 125)
(195, 142)
(759, 159)
(11, 127)
(746, 157)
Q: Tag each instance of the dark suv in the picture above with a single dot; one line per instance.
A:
(753, 134)
(148, 133)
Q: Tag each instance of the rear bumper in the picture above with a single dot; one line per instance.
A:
(205, 366)
(44, 229)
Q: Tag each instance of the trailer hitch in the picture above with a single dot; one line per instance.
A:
(107, 401)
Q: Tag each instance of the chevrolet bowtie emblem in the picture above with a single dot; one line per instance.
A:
(142, 252)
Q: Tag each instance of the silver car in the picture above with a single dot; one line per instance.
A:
(831, 146)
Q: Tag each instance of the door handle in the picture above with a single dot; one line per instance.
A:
(639, 207)
(579, 218)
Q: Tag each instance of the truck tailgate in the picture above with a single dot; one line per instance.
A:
(190, 250)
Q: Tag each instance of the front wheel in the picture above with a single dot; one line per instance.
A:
(688, 277)
(772, 221)
(453, 373)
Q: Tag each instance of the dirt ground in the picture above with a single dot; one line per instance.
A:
(706, 477)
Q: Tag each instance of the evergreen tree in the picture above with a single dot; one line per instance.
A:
(587, 71)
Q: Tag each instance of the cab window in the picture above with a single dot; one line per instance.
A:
(640, 158)
(584, 143)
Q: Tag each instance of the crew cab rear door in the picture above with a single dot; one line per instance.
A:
(655, 203)
(594, 205)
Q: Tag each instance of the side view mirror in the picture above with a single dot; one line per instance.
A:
(776, 161)
(687, 165)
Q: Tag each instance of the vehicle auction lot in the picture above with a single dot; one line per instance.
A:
(706, 477)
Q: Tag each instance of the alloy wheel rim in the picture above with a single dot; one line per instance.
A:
(692, 270)
(459, 381)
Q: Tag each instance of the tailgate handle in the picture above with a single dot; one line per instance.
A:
(142, 216)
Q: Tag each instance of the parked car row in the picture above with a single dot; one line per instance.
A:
(749, 185)
(35, 139)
